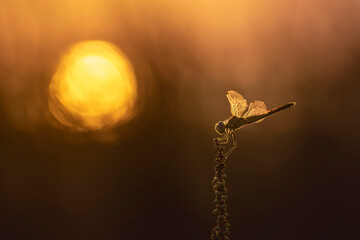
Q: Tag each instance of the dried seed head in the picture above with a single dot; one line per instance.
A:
(217, 228)
(217, 186)
(217, 201)
(221, 184)
(218, 193)
(224, 176)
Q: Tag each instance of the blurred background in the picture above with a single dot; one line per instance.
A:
(295, 175)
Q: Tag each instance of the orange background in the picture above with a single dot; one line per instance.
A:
(294, 176)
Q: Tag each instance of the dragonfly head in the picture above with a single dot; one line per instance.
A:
(220, 127)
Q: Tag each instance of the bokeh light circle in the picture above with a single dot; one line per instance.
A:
(94, 87)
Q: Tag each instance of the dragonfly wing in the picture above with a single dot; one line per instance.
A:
(256, 108)
(238, 103)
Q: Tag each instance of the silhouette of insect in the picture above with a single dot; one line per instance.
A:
(243, 114)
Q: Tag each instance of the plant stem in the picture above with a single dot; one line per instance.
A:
(221, 230)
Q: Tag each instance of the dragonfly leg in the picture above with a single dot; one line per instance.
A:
(234, 146)
(225, 139)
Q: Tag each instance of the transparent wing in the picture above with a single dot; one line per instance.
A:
(238, 104)
(256, 108)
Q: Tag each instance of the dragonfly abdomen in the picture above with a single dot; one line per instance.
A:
(278, 109)
(256, 118)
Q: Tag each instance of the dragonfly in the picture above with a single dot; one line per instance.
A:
(243, 114)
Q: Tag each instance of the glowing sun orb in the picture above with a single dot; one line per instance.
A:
(94, 87)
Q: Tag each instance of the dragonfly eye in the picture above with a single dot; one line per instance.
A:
(220, 127)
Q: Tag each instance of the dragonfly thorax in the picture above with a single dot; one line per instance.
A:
(235, 122)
